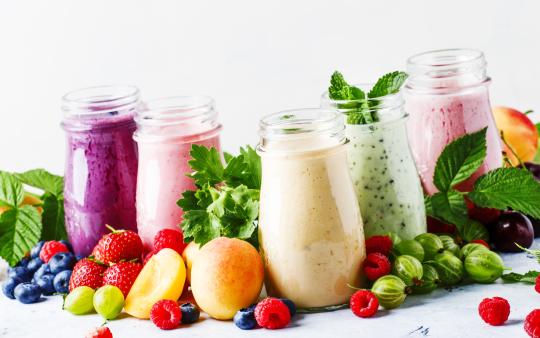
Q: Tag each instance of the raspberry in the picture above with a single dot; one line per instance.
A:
(376, 265)
(100, 332)
(169, 238)
(494, 311)
(481, 241)
(537, 284)
(364, 303)
(381, 244)
(272, 313)
(532, 324)
(166, 314)
(50, 249)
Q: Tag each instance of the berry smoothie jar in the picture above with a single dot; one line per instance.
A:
(166, 130)
(382, 168)
(446, 97)
(310, 228)
(101, 163)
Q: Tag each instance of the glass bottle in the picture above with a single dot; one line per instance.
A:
(382, 168)
(310, 228)
(101, 163)
(447, 96)
(166, 130)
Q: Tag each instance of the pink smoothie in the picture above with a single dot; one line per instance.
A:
(436, 120)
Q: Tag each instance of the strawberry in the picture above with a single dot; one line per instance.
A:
(87, 273)
(119, 245)
(100, 332)
(122, 275)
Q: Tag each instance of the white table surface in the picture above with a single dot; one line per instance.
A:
(443, 313)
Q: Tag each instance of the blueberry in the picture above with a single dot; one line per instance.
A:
(67, 244)
(34, 264)
(245, 318)
(9, 286)
(43, 269)
(27, 293)
(79, 257)
(190, 313)
(21, 273)
(46, 283)
(62, 261)
(36, 249)
(61, 281)
(23, 262)
(290, 304)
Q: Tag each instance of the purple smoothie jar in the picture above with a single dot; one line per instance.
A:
(101, 163)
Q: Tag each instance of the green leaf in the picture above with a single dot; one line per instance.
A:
(42, 179)
(459, 160)
(451, 208)
(188, 201)
(532, 252)
(388, 84)
(245, 169)
(11, 190)
(505, 188)
(206, 162)
(200, 226)
(20, 230)
(340, 90)
(528, 277)
(53, 218)
(538, 127)
(429, 206)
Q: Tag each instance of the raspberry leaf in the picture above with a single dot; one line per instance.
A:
(450, 207)
(11, 190)
(20, 230)
(42, 179)
(53, 218)
(528, 277)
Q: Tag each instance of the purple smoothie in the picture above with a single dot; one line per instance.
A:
(100, 176)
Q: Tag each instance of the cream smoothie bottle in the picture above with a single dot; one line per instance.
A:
(446, 97)
(382, 168)
(166, 130)
(310, 228)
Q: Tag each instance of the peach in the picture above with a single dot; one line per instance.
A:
(226, 276)
(190, 252)
(27, 200)
(519, 132)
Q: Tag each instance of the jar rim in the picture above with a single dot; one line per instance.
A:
(176, 109)
(445, 57)
(98, 101)
(300, 121)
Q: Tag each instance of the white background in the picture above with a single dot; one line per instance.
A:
(254, 57)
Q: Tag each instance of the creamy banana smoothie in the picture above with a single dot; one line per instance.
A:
(310, 228)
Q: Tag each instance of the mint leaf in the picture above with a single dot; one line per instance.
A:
(528, 277)
(200, 226)
(20, 230)
(388, 84)
(53, 218)
(450, 207)
(505, 188)
(42, 179)
(206, 162)
(459, 160)
(11, 190)
(340, 90)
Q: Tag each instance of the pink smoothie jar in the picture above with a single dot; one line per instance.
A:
(166, 130)
(446, 96)
(101, 163)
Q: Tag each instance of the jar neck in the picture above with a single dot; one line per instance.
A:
(382, 109)
(301, 130)
(176, 118)
(100, 107)
(446, 71)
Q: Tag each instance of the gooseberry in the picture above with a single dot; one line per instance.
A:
(468, 248)
(449, 268)
(430, 280)
(409, 269)
(391, 291)
(431, 243)
(450, 244)
(410, 247)
(474, 230)
(484, 266)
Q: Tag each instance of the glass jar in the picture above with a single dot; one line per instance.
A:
(447, 96)
(310, 229)
(166, 130)
(382, 168)
(101, 163)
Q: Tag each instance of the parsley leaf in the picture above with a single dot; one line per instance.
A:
(504, 188)
(459, 160)
(388, 84)
(20, 229)
(528, 277)
(244, 169)
(200, 226)
(207, 165)
(42, 179)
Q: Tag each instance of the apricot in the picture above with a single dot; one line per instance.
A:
(190, 252)
(519, 132)
(27, 200)
(226, 276)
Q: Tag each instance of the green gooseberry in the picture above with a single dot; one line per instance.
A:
(394, 237)
(410, 247)
(391, 291)
(430, 280)
(409, 269)
(449, 268)
(431, 243)
(471, 247)
(80, 300)
(484, 266)
(450, 244)
(474, 230)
